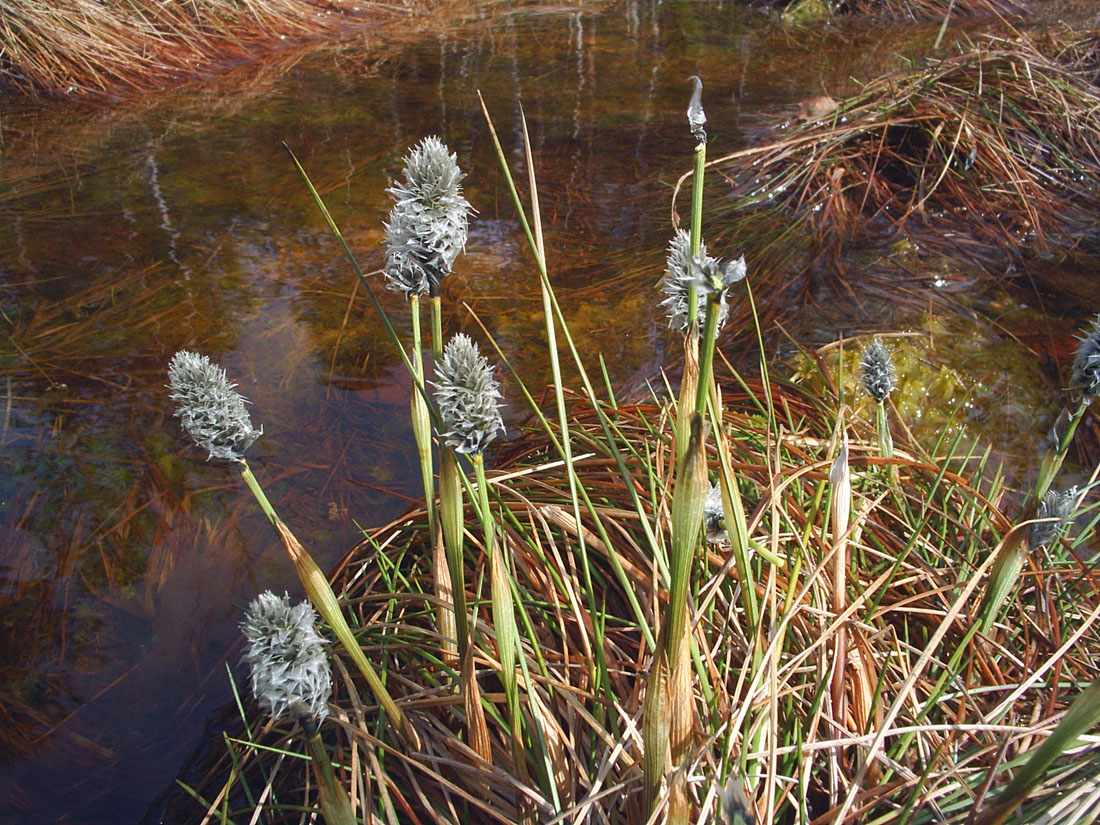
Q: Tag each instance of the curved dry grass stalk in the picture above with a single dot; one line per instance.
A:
(994, 145)
(929, 709)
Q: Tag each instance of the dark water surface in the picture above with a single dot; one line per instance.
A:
(129, 233)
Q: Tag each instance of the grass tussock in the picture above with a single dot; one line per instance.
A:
(927, 9)
(86, 47)
(928, 712)
(798, 11)
(991, 148)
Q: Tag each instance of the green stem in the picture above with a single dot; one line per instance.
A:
(697, 199)
(691, 382)
(706, 355)
(450, 512)
(450, 506)
(421, 422)
(504, 616)
(335, 804)
(885, 440)
(1052, 461)
(696, 225)
(258, 492)
(437, 327)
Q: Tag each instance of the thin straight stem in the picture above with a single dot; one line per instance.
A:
(258, 492)
(696, 216)
(706, 355)
(1052, 461)
(420, 417)
(504, 617)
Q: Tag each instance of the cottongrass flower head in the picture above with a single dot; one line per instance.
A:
(211, 411)
(468, 396)
(427, 226)
(707, 274)
(1054, 505)
(877, 371)
(291, 676)
(1086, 363)
(714, 517)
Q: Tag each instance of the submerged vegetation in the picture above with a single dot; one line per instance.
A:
(730, 599)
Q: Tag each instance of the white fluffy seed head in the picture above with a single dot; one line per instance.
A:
(291, 676)
(468, 397)
(428, 224)
(1056, 506)
(877, 371)
(210, 410)
(709, 276)
(714, 516)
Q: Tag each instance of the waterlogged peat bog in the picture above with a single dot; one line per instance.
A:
(130, 233)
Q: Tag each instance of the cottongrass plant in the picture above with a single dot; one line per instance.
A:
(1049, 508)
(468, 398)
(1086, 381)
(214, 415)
(426, 231)
(693, 280)
(209, 409)
(291, 677)
(1052, 513)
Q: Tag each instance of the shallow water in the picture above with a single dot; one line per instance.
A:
(130, 233)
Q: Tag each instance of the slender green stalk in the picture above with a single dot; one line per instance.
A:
(599, 667)
(690, 382)
(697, 199)
(335, 804)
(450, 507)
(651, 540)
(421, 420)
(1052, 460)
(504, 614)
(885, 440)
(450, 512)
(840, 483)
(422, 432)
(706, 354)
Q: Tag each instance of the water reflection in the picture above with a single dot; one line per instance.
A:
(127, 235)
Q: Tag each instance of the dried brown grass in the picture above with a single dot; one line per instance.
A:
(928, 9)
(919, 547)
(85, 47)
(993, 147)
